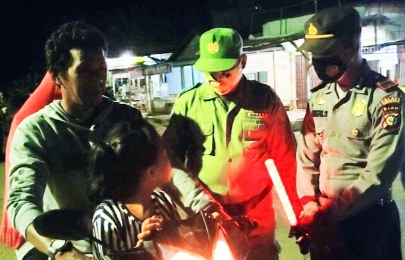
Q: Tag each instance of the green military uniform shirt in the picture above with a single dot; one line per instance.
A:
(225, 143)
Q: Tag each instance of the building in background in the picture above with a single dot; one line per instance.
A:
(152, 83)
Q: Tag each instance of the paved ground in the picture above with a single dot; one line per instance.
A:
(289, 251)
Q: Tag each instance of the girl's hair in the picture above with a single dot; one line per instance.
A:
(118, 162)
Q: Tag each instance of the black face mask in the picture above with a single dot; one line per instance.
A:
(329, 69)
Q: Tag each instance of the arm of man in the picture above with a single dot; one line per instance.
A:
(282, 146)
(28, 179)
(45, 93)
(42, 243)
(193, 195)
(176, 138)
(308, 160)
(189, 190)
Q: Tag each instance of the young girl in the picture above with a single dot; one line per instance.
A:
(127, 169)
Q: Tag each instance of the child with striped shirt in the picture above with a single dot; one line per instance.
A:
(127, 169)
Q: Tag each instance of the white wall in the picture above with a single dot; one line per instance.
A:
(280, 68)
(388, 59)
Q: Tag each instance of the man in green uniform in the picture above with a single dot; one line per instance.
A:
(352, 146)
(225, 128)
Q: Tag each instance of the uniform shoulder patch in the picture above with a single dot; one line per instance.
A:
(318, 87)
(383, 83)
(391, 113)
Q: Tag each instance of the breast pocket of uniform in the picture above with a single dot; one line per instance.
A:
(359, 137)
(207, 130)
(320, 116)
(252, 133)
(320, 123)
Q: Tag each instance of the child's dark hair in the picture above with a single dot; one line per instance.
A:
(118, 163)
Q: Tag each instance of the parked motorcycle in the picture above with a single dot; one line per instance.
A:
(196, 238)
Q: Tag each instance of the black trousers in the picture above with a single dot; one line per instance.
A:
(35, 254)
(373, 234)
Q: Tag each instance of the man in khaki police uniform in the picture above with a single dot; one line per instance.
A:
(352, 146)
(225, 128)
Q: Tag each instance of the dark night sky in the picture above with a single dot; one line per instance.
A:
(25, 25)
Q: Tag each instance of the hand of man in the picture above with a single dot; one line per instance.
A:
(316, 216)
(307, 215)
(317, 222)
(302, 239)
(220, 215)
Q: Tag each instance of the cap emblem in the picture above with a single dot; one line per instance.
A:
(313, 33)
(213, 47)
(312, 30)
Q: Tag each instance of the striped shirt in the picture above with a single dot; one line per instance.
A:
(116, 227)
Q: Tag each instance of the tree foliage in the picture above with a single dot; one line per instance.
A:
(15, 92)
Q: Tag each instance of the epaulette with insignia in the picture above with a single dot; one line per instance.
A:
(318, 87)
(383, 83)
(190, 88)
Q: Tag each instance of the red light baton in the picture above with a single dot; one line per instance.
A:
(288, 209)
(282, 194)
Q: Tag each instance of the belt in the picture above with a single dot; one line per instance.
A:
(236, 209)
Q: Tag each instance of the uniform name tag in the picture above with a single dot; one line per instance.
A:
(319, 113)
(256, 115)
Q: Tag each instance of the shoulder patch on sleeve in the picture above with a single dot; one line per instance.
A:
(391, 113)
(318, 87)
